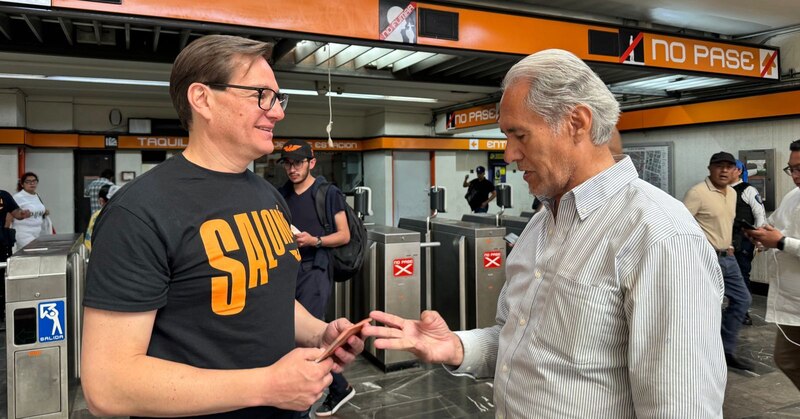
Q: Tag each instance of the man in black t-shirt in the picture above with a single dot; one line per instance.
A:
(480, 191)
(189, 300)
(314, 278)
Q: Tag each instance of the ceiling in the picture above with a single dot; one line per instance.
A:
(88, 45)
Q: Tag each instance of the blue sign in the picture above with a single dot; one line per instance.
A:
(52, 321)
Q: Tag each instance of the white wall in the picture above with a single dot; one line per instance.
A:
(55, 170)
(378, 176)
(50, 114)
(127, 161)
(93, 117)
(8, 169)
(12, 108)
(694, 145)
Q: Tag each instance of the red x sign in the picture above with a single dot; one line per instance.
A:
(491, 259)
(403, 267)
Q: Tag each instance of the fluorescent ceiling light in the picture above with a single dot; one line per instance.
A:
(78, 79)
(361, 96)
(157, 83)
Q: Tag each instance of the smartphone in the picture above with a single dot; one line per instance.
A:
(342, 339)
(746, 225)
(511, 238)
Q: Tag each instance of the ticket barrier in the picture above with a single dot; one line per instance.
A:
(512, 224)
(527, 214)
(466, 297)
(43, 290)
(390, 282)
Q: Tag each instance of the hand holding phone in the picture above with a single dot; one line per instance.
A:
(342, 339)
(746, 225)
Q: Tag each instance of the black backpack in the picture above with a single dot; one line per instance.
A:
(346, 260)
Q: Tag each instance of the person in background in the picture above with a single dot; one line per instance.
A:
(104, 195)
(713, 204)
(480, 191)
(93, 189)
(782, 236)
(30, 228)
(314, 279)
(611, 306)
(749, 209)
(189, 306)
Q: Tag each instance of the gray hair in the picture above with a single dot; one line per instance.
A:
(560, 81)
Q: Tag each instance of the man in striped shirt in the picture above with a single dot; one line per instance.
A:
(611, 306)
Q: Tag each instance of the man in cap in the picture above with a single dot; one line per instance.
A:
(480, 191)
(713, 204)
(314, 279)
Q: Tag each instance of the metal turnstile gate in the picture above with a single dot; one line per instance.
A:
(390, 282)
(41, 280)
(467, 296)
(511, 223)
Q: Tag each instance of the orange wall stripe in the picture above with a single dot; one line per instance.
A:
(51, 140)
(91, 141)
(12, 136)
(353, 18)
(752, 107)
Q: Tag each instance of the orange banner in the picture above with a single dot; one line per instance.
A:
(472, 117)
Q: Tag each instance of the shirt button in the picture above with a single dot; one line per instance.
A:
(505, 367)
(522, 322)
(537, 274)
(499, 416)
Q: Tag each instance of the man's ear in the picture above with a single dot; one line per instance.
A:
(200, 100)
(579, 123)
(312, 163)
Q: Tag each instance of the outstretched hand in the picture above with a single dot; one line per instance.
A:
(428, 338)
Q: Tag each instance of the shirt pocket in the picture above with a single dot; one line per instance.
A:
(582, 324)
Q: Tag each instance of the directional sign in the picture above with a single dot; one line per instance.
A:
(492, 259)
(52, 321)
(403, 267)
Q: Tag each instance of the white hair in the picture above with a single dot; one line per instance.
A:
(560, 81)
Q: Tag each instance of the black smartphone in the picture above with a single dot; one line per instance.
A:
(746, 225)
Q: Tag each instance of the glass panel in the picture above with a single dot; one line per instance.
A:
(342, 169)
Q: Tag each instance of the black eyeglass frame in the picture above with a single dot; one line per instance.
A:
(279, 97)
(789, 169)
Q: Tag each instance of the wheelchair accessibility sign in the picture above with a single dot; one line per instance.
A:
(51, 321)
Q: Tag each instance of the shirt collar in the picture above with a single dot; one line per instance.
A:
(711, 186)
(600, 188)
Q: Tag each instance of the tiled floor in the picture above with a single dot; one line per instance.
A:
(430, 392)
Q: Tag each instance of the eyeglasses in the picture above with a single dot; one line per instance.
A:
(791, 171)
(30, 182)
(295, 164)
(271, 97)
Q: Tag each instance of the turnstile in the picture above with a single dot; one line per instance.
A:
(43, 318)
(468, 272)
(390, 282)
(420, 225)
(511, 223)
(527, 214)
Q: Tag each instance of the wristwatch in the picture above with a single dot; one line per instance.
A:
(781, 243)
(319, 242)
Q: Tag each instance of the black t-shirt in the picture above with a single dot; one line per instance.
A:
(214, 254)
(483, 188)
(7, 205)
(304, 215)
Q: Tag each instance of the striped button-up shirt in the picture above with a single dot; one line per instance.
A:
(611, 309)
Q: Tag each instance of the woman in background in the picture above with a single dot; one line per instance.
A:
(30, 228)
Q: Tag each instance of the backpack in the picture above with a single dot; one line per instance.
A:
(346, 260)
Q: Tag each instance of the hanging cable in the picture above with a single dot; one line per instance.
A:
(329, 128)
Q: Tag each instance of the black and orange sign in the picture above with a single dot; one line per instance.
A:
(472, 117)
(680, 53)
